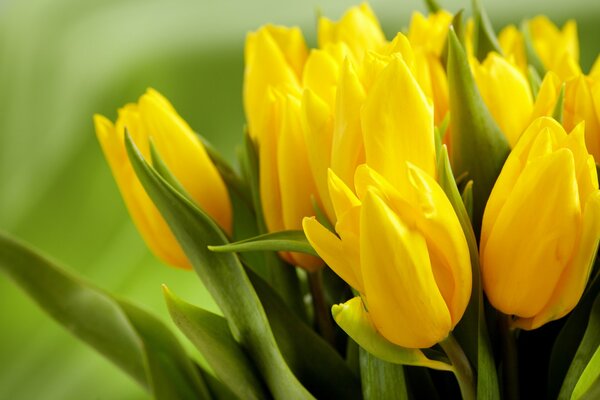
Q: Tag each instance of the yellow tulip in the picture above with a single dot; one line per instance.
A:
(558, 50)
(498, 81)
(358, 28)
(541, 226)
(402, 248)
(154, 118)
(429, 33)
(274, 57)
(581, 102)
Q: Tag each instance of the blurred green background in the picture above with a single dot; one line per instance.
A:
(61, 61)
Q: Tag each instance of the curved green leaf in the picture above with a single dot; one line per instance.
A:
(315, 363)
(381, 379)
(277, 241)
(471, 331)
(479, 147)
(588, 385)
(223, 276)
(532, 58)
(131, 338)
(211, 336)
(432, 6)
(584, 357)
(484, 38)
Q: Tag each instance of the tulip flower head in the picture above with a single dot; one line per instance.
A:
(154, 118)
(403, 249)
(541, 226)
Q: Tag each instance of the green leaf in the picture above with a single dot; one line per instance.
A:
(471, 331)
(227, 172)
(164, 171)
(533, 60)
(566, 344)
(381, 379)
(223, 276)
(315, 363)
(211, 335)
(578, 376)
(131, 338)
(353, 319)
(484, 38)
(280, 275)
(467, 199)
(557, 114)
(534, 80)
(277, 241)
(432, 6)
(479, 147)
(588, 385)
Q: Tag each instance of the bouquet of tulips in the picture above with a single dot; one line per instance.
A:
(408, 218)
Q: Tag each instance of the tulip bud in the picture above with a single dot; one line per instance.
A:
(154, 118)
(541, 226)
(402, 248)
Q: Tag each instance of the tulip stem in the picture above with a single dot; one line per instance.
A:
(322, 314)
(461, 367)
(510, 358)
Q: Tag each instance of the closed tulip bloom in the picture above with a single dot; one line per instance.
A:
(581, 103)
(541, 226)
(154, 119)
(274, 56)
(402, 248)
(497, 81)
(557, 49)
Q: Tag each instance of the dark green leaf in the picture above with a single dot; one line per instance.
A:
(280, 275)
(316, 363)
(484, 38)
(223, 276)
(211, 336)
(131, 338)
(278, 241)
(230, 177)
(571, 334)
(584, 357)
(471, 332)
(479, 148)
(381, 379)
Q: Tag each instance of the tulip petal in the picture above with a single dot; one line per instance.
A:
(296, 183)
(341, 196)
(572, 282)
(332, 250)
(397, 123)
(317, 124)
(533, 237)
(148, 221)
(446, 242)
(404, 301)
(348, 147)
(186, 157)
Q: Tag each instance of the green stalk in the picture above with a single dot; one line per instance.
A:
(461, 368)
(322, 314)
(510, 360)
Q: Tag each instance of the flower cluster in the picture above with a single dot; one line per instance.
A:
(436, 173)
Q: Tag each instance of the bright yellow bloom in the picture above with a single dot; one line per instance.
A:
(274, 57)
(581, 102)
(558, 50)
(359, 29)
(402, 248)
(541, 226)
(506, 93)
(429, 33)
(275, 61)
(154, 118)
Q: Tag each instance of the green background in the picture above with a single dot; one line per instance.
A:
(61, 61)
